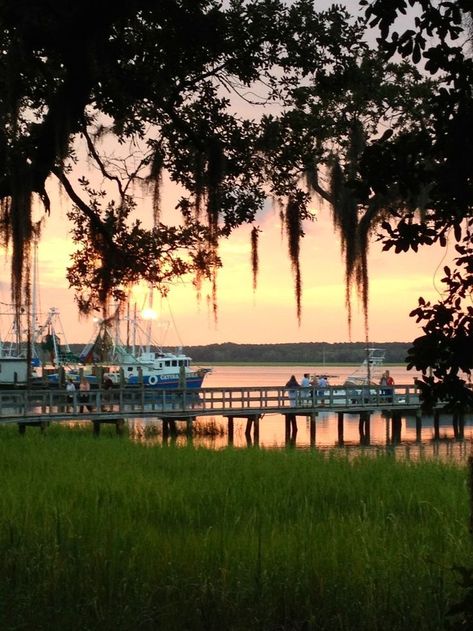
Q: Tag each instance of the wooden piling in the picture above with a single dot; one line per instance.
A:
(287, 425)
(461, 425)
(291, 429)
(312, 422)
(396, 427)
(364, 427)
(23, 425)
(418, 426)
(340, 428)
(256, 429)
(455, 424)
(436, 425)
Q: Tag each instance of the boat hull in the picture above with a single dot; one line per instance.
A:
(167, 382)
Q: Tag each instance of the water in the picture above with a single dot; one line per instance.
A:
(212, 431)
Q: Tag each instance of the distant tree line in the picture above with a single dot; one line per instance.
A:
(305, 352)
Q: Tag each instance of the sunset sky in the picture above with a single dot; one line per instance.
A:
(269, 314)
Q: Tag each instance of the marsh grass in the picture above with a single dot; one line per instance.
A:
(113, 534)
(207, 429)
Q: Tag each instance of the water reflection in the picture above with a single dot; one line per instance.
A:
(407, 436)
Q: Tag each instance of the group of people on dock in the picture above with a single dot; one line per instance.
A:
(303, 390)
(84, 396)
(301, 393)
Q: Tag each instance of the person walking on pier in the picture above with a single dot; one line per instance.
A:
(292, 387)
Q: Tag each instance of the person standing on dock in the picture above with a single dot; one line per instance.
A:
(323, 383)
(390, 384)
(292, 387)
(107, 385)
(70, 388)
(305, 383)
(84, 388)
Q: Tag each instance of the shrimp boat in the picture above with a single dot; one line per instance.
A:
(134, 364)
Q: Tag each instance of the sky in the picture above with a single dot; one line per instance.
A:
(269, 314)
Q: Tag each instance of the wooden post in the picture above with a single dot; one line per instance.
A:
(461, 425)
(436, 425)
(418, 426)
(119, 426)
(367, 427)
(96, 426)
(287, 422)
(249, 423)
(293, 426)
(99, 376)
(364, 427)
(340, 423)
(256, 419)
(455, 424)
(388, 427)
(165, 428)
(291, 429)
(397, 426)
(313, 429)
(230, 430)
(61, 374)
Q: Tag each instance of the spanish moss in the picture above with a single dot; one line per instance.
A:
(345, 219)
(254, 255)
(294, 233)
(156, 177)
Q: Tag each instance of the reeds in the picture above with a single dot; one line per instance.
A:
(111, 534)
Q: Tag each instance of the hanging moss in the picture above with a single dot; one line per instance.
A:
(254, 255)
(156, 178)
(294, 233)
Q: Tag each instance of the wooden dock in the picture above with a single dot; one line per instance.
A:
(39, 407)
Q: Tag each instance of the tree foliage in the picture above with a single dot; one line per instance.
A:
(433, 164)
(235, 105)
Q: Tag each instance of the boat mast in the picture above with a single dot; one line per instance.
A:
(368, 363)
(34, 302)
(150, 321)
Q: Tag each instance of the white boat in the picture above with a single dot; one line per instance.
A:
(141, 363)
(370, 370)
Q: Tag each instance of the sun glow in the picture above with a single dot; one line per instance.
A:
(149, 314)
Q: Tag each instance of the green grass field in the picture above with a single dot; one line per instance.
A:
(110, 534)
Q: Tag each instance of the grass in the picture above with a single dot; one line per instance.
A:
(111, 534)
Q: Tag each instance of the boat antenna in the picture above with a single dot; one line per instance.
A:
(173, 321)
(368, 363)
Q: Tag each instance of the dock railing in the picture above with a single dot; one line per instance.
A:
(55, 404)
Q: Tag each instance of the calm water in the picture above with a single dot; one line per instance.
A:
(272, 427)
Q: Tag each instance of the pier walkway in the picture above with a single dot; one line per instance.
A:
(41, 406)
(27, 405)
